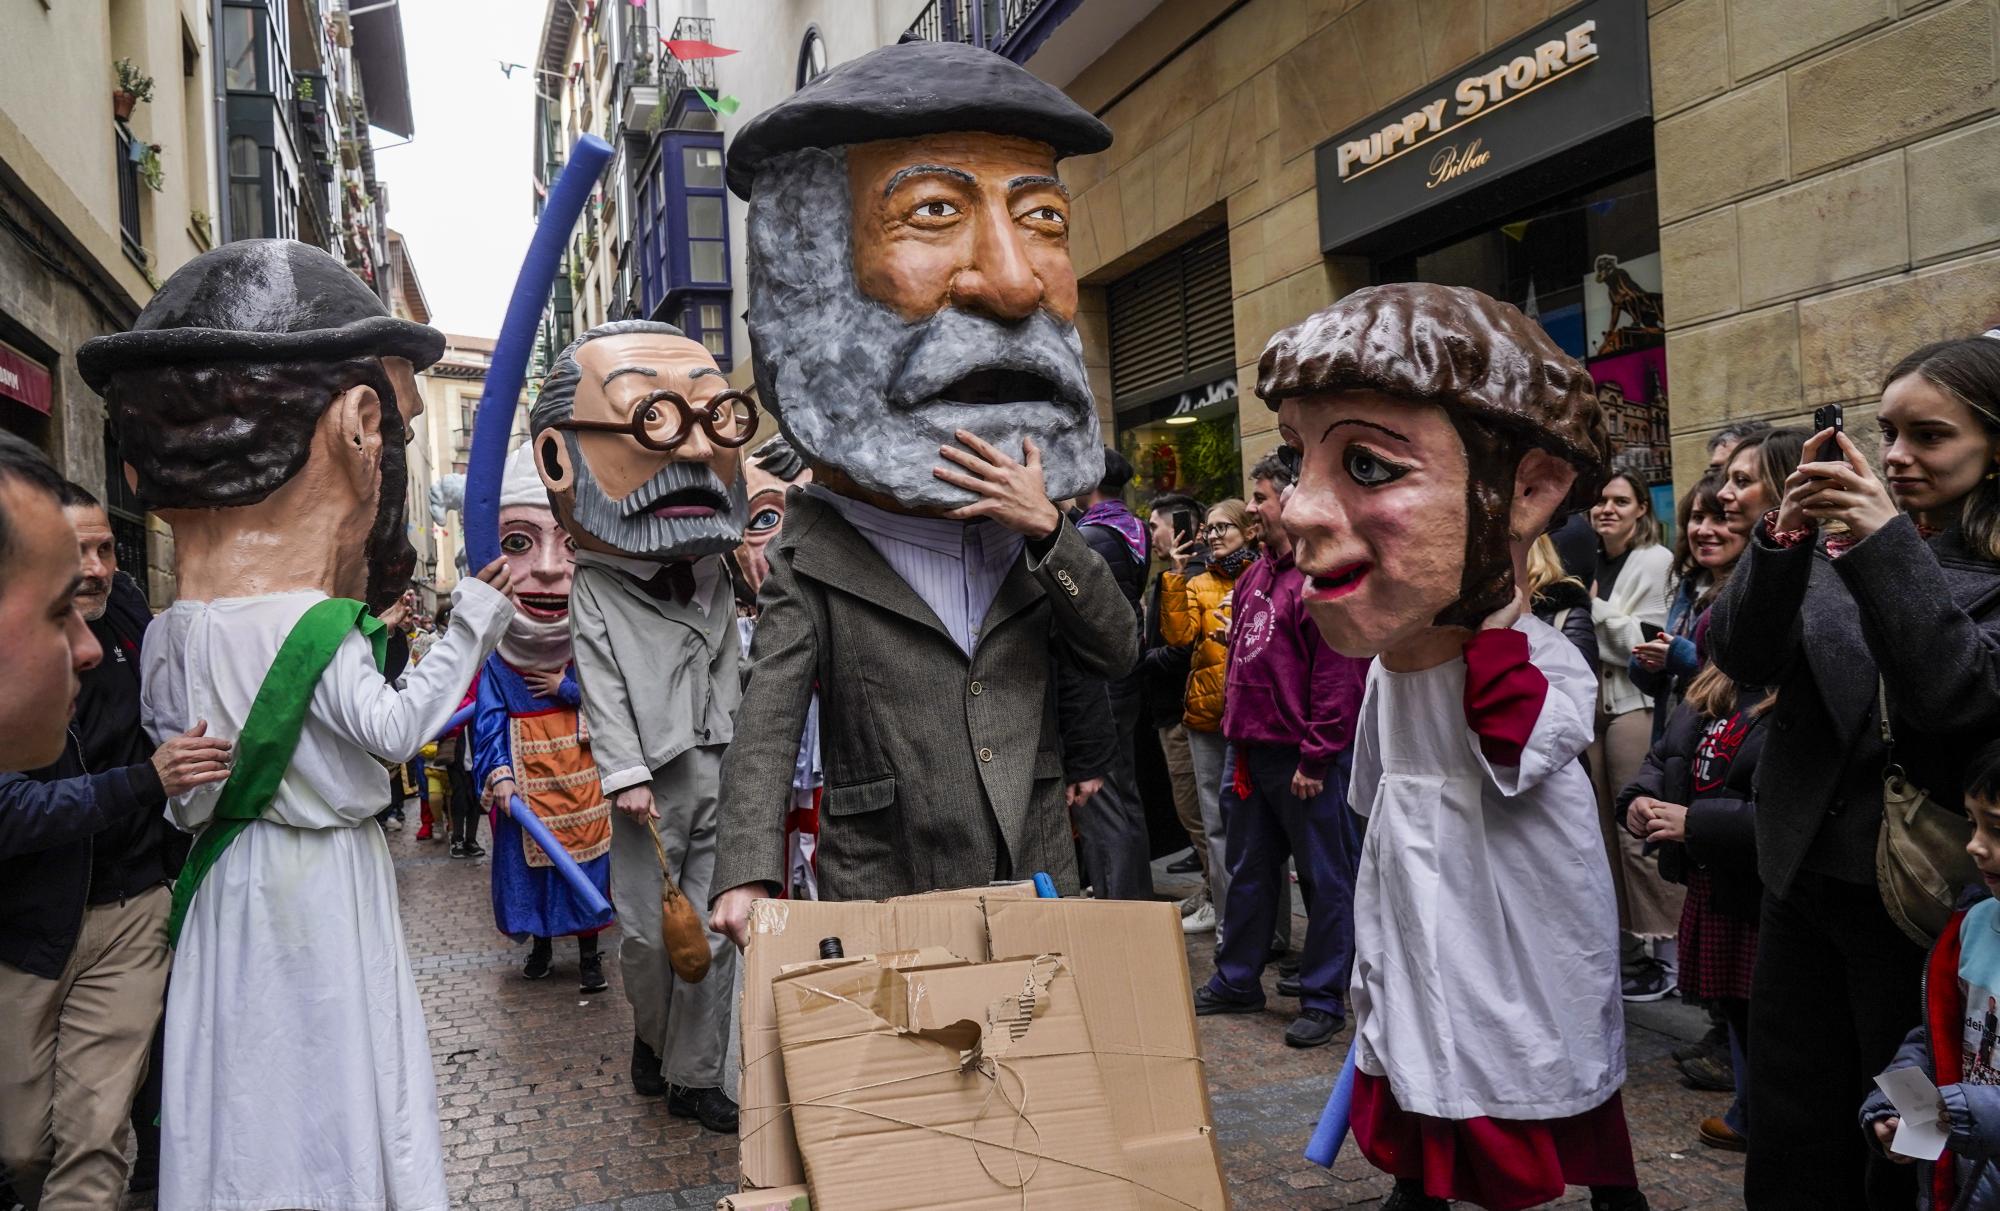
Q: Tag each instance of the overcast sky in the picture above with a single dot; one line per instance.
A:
(461, 191)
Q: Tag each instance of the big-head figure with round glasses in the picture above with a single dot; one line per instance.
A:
(636, 434)
(638, 437)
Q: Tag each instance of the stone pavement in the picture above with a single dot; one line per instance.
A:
(538, 1111)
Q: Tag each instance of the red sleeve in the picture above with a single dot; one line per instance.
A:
(1504, 692)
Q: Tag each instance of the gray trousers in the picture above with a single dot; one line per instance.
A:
(687, 1024)
(1117, 854)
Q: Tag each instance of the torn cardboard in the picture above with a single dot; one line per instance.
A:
(1129, 964)
(977, 1076)
(784, 1198)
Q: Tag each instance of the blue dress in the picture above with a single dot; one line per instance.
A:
(559, 781)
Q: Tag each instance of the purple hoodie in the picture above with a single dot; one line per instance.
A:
(1286, 688)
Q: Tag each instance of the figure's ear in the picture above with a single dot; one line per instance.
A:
(1541, 482)
(552, 461)
(355, 424)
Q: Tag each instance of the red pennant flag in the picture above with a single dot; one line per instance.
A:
(686, 49)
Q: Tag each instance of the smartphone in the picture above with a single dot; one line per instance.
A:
(1184, 526)
(1828, 417)
(1651, 630)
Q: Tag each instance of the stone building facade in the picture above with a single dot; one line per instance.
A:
(1804, 197)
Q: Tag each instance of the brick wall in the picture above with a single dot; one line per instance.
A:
(1828, 199)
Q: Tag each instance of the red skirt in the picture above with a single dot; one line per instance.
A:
(1499, 1164)
(1718, 952)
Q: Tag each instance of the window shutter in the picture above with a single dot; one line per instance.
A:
(1172, 322)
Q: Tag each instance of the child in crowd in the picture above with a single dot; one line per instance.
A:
(1954, 1044)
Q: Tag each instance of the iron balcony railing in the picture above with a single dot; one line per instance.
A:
(987, 23)
(128, 152)
(695, 73)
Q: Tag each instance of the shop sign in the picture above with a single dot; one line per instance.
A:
(1194, 399)
(23, 378)
(1577, 77)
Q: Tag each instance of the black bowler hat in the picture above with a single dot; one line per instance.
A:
(259, 300)
(911, 89)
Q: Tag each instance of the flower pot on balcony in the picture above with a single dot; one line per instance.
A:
(122, 103)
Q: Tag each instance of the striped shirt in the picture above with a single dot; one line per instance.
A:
(955, 566)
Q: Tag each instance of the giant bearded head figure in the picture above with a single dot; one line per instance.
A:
(637, 436)
(542, 557)
(1441, 432)
(910, 273)
(262, 401)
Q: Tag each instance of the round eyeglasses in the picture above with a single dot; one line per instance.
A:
(662, 420)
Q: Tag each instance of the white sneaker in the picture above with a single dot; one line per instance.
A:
(1201, 920)
(1193, 902)
(392, 824)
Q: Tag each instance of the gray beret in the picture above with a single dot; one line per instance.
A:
(259, 300)
(911, 89)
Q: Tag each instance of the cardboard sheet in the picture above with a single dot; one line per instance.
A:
(1129, 964)
(972, 1078)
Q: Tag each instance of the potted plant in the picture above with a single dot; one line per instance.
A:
(149, 169)
(134, 86)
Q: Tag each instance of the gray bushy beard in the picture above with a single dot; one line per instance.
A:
(628, 525)
(854, 386)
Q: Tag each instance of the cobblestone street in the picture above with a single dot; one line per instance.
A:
(540, 1114)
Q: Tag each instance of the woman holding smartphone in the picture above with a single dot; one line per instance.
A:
(1903, 606)
(1630, 596)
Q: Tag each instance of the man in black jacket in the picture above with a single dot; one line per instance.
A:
(86, 856)
(1113, 821)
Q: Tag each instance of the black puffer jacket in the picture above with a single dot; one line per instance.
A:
(1710, 767)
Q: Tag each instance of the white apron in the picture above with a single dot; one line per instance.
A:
(1486, 935)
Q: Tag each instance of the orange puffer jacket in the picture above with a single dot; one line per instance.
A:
(1194, 614)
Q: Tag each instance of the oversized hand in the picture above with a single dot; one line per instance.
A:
(191, 759)
(1011, 493)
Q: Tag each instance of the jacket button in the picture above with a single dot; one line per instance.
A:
(977, 689)
(986, 754)
(1063, 579)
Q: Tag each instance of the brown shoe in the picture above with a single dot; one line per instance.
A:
(1718, 1134)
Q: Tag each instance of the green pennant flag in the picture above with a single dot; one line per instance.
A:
(720, 105)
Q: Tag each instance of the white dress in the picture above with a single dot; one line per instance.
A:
(297, 1070)
(1486, 936)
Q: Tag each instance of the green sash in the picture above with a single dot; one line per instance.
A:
(271, 734)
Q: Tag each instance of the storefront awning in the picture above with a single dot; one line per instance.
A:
(385, 75)
(24, 379)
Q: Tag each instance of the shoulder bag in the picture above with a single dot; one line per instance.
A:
(1920, 859)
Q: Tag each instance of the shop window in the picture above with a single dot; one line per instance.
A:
(1586, 265)
(1173, 374)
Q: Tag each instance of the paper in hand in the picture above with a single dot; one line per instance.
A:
(1919, 1106)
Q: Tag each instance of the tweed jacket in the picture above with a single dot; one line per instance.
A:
(658, 678)
(941, 770)
(1925, 616)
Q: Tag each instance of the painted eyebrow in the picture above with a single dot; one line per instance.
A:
(1365, 424)
(1039, 179)
(703, 372)
(927, 170)
(648, 371)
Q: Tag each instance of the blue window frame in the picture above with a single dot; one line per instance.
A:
(682, 222)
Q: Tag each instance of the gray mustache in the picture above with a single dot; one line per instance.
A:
(956, 343)
(675, 477)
